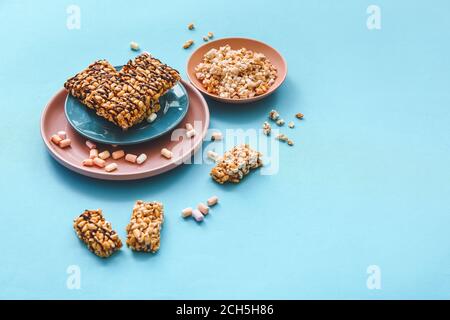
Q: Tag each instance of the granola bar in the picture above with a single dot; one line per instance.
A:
(149, 76)
(123, 97)
(92, 228)
(235, 164)
(143, 231)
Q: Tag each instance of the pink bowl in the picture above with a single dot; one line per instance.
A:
(54, 120)
(237, 43)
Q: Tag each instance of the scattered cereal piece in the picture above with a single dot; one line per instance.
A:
(131, 158)
(141, 159)
(187, 212)
(299, 115)
(282, 137)
(104, 155)
(118, 154)
(203, 208)
(134, 46)
(90, 144)
(206, 39)
(212, 155)
(152, 117)
(92, 228)
(166, 153)
(143, 231)
(210, 35)
(62, 134)
(114, 145)
(93, 153)
(188, 43)
(190, 133)
(111, 167)
(189, 127)
(65, 143)
(235, 164)
(291, 125)
(56, 139)
(274, 115)
(280, 122)
(267, 129)
(88, 163)
(216, 136)
(197, 215)
(212, 201)
(191, 26)
(99, 162)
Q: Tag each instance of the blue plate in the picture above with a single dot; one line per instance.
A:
(174, 106)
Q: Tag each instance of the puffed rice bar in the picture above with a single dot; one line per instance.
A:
(235, 164)
(143, 231)
(92, 228)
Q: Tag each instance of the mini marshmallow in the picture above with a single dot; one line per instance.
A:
(189, 127)
(56, 139)
(99, 162)
(65, 143)
(93, 153)
(142, 157)
(90, 145)
(104, 155)
(131, 158)
(62, 134)
(166, 153)
(187, 212)
(203, 208)
(152, 117)
(118, 154)
(197, 215)
(212, 201)
(111, 167)
(88, 163)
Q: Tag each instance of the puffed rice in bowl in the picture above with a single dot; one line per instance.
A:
(236, 70)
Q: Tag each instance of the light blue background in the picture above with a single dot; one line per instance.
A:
(367, 182)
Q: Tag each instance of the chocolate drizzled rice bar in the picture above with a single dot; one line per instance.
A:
(143, 231)
(235, 164)
(92, 228)
(127, 96)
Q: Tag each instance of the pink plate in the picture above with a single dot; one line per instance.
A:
(54, 120)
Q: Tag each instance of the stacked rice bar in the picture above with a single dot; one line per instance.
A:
(127, 96)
